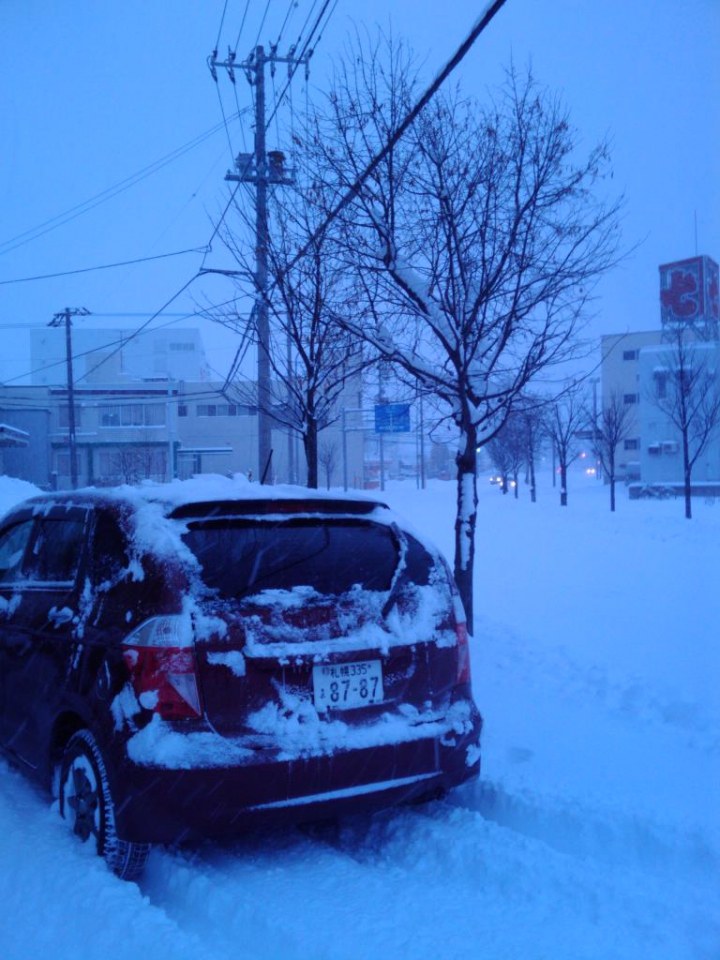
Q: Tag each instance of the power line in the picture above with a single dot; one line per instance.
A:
(291, 6)
(262, 22)
(480, 25)
(304, 56)
(104, 266)
(242, 24)
(222, 21)
(110, 192)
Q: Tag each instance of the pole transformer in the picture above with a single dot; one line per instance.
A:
(261, 169)
(57, 320)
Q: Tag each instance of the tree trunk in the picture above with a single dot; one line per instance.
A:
(612, 493)
(687, 476)
(310, 443)
(533, 492)
(517, 486)
(466, 520)
(563, 484)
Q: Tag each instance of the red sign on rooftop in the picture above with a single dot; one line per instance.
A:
(689, 291)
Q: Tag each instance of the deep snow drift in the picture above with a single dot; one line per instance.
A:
(594, 832)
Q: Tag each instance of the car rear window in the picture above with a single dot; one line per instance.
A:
(239, 558)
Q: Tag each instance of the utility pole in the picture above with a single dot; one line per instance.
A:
(261, 169)
(57, 321)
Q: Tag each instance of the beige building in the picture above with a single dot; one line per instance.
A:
(156, 431)
(620, 355)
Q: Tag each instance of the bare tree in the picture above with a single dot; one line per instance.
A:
(687, 392)
(508, 450)
(313, 355)
(531, 412)
(565, 420)
(477, 242)
(610, 426)
(327, 457)
(133, 463)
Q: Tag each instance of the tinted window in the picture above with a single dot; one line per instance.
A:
(419, 565)
(12, 549)
(109, 550)
(55, 553)
(240, 557)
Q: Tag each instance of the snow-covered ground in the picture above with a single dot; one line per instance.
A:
(594, 832)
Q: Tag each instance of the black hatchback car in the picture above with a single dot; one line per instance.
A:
(190, 660)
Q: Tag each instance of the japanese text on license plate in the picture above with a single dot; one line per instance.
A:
(344, 686)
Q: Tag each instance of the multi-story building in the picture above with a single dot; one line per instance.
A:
(620, 354)
(638, 369)
(152, 431)
(145, 408)
(117, 356)
(661, 452)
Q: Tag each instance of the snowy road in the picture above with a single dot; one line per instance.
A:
(593, 833)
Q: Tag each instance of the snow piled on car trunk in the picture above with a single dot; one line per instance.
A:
(593, 834)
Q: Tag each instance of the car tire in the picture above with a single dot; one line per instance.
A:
(86, 805)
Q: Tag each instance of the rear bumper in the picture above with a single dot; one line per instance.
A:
(159, 805)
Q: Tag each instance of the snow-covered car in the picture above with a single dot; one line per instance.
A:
(189, 660)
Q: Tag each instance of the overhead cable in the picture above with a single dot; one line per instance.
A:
(480, 25)
(110, 192)
(104, 266)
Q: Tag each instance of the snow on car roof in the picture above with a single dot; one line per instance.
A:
(153, 504)
(204, 489)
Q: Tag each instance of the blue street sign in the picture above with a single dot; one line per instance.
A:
(392, 418)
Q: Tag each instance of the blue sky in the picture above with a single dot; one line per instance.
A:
(93, 93)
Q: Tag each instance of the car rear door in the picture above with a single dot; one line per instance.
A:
(317, 619)
(14, 540)
(42, 651)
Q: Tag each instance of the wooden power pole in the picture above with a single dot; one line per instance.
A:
(57, 320)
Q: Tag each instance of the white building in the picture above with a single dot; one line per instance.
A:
(638, 369)
(117, 356)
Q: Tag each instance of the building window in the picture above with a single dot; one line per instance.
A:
(632, 444)
(154, 414)
(187, 347)
(630, 354)
(629, 398)
(661, 380)
(217, 410)
(182, 410)
(133, 415)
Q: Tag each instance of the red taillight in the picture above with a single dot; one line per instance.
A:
(161, 660)
(463, 648)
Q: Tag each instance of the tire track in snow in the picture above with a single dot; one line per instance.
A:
(434, 882)
(610, 836)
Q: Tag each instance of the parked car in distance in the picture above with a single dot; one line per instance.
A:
(192, 659)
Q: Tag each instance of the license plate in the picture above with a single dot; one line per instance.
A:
(345, 686)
